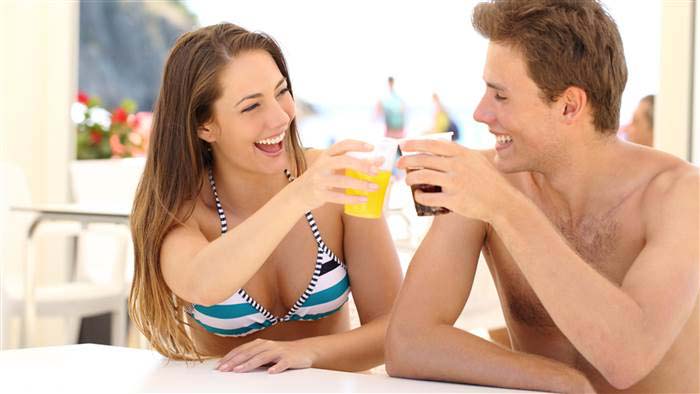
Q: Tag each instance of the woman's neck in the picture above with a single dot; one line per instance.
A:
(244, 192)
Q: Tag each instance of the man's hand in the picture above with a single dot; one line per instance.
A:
(283, 354)
(471, 185)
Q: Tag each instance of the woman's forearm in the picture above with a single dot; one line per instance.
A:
(227, 263)
(355, 350)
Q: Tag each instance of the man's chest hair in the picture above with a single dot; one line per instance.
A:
(594, 239)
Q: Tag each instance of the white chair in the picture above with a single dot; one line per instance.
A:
(24, 298)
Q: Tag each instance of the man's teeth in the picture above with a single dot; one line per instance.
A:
(504, 139)
(271, 141)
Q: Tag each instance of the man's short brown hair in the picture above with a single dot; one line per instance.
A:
(565, 43)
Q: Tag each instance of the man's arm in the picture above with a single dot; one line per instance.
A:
(628, 328)
(421, 340)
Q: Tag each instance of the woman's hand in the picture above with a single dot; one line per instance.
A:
(284, 355)
(324, 181)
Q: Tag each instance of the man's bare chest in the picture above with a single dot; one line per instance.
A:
(609, 244)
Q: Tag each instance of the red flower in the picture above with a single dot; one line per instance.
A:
(119, 115)
(95, 137)
(83, 97)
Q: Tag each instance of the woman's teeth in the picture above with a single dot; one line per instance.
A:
(504, 139)
(271, 141)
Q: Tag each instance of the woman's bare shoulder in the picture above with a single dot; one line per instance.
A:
(312, 154)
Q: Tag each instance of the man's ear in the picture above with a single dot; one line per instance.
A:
(573, 102)
(207, 132)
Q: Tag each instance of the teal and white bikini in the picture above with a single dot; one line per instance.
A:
(240, 315)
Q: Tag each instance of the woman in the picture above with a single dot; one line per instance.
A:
(242, 248)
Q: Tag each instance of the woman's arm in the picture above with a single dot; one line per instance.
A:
(202, 272)
(375, 279)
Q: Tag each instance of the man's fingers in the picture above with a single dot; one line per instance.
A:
(442, 148)
(427, 177)
(424, 161)
(431, 199)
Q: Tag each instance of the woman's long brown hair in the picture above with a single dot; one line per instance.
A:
(175, 169)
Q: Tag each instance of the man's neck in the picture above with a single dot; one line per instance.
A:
(585, 181)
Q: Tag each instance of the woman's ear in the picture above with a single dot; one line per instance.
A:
(574, 100)
(207, 132)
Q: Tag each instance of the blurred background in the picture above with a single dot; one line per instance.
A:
(78, 81)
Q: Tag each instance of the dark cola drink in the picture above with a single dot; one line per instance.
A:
(424, 210)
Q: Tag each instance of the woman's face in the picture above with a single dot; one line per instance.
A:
(251, 118)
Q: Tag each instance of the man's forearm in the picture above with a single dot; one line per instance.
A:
(569, 287)
(447, 353)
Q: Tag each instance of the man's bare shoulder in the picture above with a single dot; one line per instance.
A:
(670, 180)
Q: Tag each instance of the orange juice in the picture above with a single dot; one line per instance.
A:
(372, 209)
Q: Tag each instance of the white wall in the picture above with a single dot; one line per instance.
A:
(672, 120)
(38, 76)
(695, 131)
(38, 82)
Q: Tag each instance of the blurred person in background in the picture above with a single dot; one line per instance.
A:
(641, 129)
(442, 120)
(242, 250)
(392, 108)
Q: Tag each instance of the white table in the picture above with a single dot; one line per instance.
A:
(83, 214)
(75, 212)
(100, 368)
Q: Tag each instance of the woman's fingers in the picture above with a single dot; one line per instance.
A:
(349, 146)
(346, 182)
(258, 360)
(367, 166)
(242, 353)
(282, 365)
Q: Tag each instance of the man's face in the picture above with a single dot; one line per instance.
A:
(527, 137)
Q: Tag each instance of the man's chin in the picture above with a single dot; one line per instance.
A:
(508, 166)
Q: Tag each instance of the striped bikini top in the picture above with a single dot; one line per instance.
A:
(240, 315)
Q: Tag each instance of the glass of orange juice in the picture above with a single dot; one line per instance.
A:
(372, 209)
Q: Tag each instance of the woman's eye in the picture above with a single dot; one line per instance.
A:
(499, 97)
(283, 91)
(250, 107)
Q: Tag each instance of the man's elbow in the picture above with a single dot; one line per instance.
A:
(624, 372)
(396, 350)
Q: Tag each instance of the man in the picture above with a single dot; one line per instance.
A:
(595, 260)
(641, 129)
